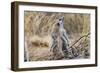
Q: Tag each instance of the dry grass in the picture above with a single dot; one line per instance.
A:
(40, 25)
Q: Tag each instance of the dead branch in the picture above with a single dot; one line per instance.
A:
(78, 40)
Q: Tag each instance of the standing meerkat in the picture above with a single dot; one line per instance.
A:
(60, 41)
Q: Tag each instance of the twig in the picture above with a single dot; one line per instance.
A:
(79, 40)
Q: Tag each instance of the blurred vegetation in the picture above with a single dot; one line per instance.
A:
(43, 24)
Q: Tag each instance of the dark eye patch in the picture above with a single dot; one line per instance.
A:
(60, 19)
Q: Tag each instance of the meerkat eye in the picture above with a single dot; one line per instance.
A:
(60, 19)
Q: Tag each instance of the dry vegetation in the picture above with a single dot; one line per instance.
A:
(40, 25)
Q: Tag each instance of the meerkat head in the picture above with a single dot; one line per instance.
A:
(60, 22)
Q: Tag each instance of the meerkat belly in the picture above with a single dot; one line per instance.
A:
(60, 45)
